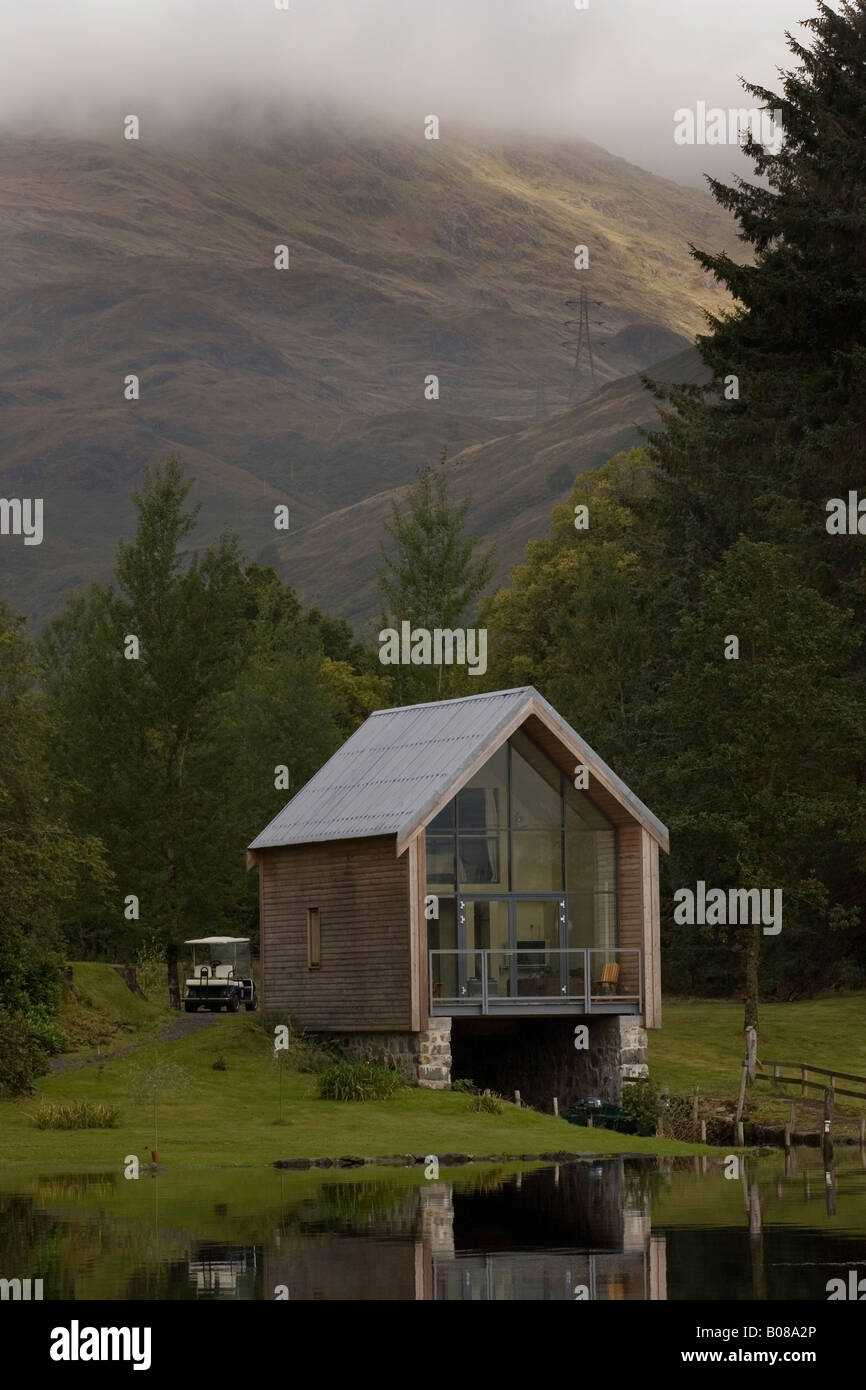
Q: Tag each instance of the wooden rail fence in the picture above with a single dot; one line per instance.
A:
(782, 1074)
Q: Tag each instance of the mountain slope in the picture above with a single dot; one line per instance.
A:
(306, 386)
(514, 482)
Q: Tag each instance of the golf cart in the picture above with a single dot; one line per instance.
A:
(222, 975)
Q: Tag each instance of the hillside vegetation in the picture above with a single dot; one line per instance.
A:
(306, 387)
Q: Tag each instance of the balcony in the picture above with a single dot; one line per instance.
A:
(541, 982)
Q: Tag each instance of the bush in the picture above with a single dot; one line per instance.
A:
(46, 1030)
(489, 1102)
(464, 1086)
(79, 1114)
(150, 970)
(313, 1054)
(643, 1104)
(306, 1052)
(359, 1081)
(219, 1063)
(22, 1056)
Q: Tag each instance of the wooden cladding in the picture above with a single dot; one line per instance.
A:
(361, 893)
(638, 910)
(314, 938)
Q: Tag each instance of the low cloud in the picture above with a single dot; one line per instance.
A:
(613, 73)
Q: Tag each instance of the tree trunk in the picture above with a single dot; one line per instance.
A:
(171, 969)
(753, 949)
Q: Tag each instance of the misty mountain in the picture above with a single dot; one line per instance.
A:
(407, 258)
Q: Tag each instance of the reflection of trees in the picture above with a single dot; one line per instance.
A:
(642, 1181)
(30, 1241)
(347, 1207)
(357, 1206)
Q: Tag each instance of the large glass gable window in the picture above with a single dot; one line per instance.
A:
(519, 831)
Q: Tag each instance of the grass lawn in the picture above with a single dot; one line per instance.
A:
(230, 1118)
(211, 1118)
(100, 1011)
(701, 1043)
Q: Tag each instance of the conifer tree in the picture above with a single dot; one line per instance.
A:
(430, 577)
(764, 465)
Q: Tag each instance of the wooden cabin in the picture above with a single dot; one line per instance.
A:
(468, 878)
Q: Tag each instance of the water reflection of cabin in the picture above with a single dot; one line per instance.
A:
(573, 1232)
(442, 879)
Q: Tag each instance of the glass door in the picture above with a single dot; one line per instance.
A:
(539, 931)
(483, 925)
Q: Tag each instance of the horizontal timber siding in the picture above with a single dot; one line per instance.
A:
(362, 892)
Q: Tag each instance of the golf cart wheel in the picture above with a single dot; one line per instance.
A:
(253, 1004)
(215, 1008)
(190, 1007)
(233, 1005)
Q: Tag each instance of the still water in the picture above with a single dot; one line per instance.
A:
(613, 1229)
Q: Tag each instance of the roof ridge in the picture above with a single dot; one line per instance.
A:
(456, 699)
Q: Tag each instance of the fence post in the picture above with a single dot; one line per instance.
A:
(556, 1105)
(751, 1051)
(741, 1101)
(804, 1069)
(695, 1110)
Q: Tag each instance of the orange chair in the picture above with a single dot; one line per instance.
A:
(610, 977)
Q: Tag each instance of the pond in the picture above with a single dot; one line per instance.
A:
(613, 1229)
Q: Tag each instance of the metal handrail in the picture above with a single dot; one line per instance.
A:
(588, 995)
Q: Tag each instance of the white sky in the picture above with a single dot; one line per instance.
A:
(614, 73)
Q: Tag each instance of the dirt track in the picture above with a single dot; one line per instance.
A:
(181, 1027)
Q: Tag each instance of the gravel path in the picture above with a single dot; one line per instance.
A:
(181, 1027)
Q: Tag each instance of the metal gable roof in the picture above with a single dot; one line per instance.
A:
(401, 762)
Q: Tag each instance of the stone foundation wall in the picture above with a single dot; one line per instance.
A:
(423, 1059)
(537, 1057)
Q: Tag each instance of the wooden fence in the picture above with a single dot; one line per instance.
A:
(779, 1075)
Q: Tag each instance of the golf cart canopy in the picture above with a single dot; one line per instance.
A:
(215, 940)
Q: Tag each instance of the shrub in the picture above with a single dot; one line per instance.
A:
(46, 1030)
(78, 1114)
(464, 1086)
(306, 1052)
(219, 1063)
(359, 1081)
(150, 971)
(313, 1054)
(489, 1102)
(643, 1104)
(22, 1057)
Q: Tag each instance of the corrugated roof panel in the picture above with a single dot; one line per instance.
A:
(390, 774)
(398, 763)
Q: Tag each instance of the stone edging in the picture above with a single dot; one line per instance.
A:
(447, 1160)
